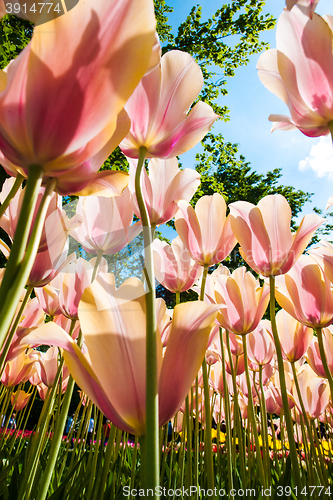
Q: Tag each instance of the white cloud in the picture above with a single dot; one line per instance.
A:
(320, 159)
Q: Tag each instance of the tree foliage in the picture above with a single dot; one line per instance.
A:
(223, 42)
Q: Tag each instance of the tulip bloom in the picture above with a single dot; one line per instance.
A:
(315, 392)
(47, 366)
(242, 301)
(73, 281)
(106, 223)
(19, 399)
(61, 97)
(206, 230)
(294, 337)
(324, 256)
(19, 369)
(313, 354)
(174, 267)
(48, 297)
(260, 345)
(300, 71)
(158, 109)
(263, 231)
(165, 185)
(113, 373)
(305, 293)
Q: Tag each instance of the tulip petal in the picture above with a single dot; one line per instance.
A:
(55, 105)
(191, 325)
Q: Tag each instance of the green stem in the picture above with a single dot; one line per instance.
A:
(22, 231)
(56, 441)
(252, 418)
(289, 424)
(264, 427)
(152, 436)
(11, 194)
(58, 431)
(36, 444)
(237, 418)
(107, 461)
(12, 291)
(306, 421)
(226, 404)
(203, 282)
(14, 327)
(208, 430)
(188, 477)
(319, 333)
(97, 263)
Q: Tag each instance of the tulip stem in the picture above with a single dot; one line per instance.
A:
(11, 291)
(319, 333)
(97, 263)
(264, 427)
(14, 327)
(306, 421)
(252, 418)
(226, 404)
(237, 419)
(11, 194)
(208, 430)
(152, 469)
(289, 423)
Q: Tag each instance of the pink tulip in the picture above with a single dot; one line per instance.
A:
(315, 392)
(174, 267)
(206, 231)
(65, 90)
(236, 343)
(305, 293)
(216, 379)
(57, 220)
(114, 328)
(47, 366)
(19, 369)
(19, 399)
(307, 6)
(300, 71)
(260, 345)
(313, 353)
(263, 231)
(33, 316)
(66, 324)
(238, 364)
(75, 278)
(42, 391)
(294, 337)
(163, 321)
(101, 233)
(276, 389)
(210, 284)
(324, 256)
(165, 185)
(271, 404)
(242, 301)
(53, 247)
(48, 297)
(158, 109)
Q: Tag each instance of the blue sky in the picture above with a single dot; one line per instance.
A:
(307, 163)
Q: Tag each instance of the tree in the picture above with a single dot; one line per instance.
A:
(226, 41)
